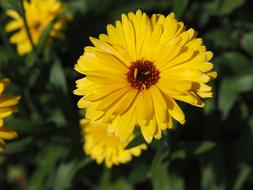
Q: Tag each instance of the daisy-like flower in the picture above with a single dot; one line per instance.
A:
(136, 71)
(7, 107)
(39, 14)
(108, 148)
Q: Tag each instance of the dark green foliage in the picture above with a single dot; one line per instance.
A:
(213, 151)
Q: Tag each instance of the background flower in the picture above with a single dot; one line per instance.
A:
(7, 107)
(39, 14)
(104, 147)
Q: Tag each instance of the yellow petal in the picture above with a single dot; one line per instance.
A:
(111, 62)
(189, 98)
(7, 134)
(8, 100)
(175, 111)
(126, 125)
(180, 59)
(157, 95)
(149, 131)
(179, 85)
(121, 55)
(144, 106)
(205, 94)
(129, 34)
(125, 102)
(191, 75)
(195, 44)
(3, 84)
(5, 112)
(24, 47)
(212, 74)
(13, 14)
(13, 25)
(201, 87)
(140, 22)
(2, 145)
(112, 99)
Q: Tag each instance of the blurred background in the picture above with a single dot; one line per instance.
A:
(213, 151)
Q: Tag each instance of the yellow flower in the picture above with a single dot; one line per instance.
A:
(108, 148)
(136, 71)
(7, 107)
(39, 14)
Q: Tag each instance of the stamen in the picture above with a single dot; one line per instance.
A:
(135, 73)
(142, 74)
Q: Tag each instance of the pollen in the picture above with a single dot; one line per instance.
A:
(142, 74)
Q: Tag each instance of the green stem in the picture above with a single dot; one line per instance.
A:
(26, 25)
(32, 108)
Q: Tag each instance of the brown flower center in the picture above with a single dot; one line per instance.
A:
(37, 26)
(142, 74)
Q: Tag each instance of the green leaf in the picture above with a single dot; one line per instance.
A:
(121, 184)
(33, 78)
(244, 109)
(227, 98)
(208, 180)
(105, 178)
(204, 147)
(179, 6)
(30, 59)
(107, 184)
(243, 175)
(44, 36)
(10, 4)
(235, 61)
(5, 56)
(209, 106)
(79, 6)
(159, 173)
(19, 123)
(210, 8)
(250, 121)
(230, 89)
(138, 173)
(175, 182)
(247, 43)
(59, 89)
(229, 6)
(46, 162)
(58, 117)
(223, 36)
(161, 178)
(67, 171)
(178, 154)
(18, 145)
(57, 78)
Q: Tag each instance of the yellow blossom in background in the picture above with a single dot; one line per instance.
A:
(7, 107)
(39, 14)
(136, 71)
(108, 148)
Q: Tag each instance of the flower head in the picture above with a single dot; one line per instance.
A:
(108, 148)
(7, 107)
(39, 14)
(136, 71)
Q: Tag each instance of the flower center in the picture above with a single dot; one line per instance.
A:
(37, 26)
(142, 74)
